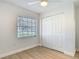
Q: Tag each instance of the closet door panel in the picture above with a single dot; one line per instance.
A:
(53, 32)
(46, 32)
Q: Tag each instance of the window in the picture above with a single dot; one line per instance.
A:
(26, 26)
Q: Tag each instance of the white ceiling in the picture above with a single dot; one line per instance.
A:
(52, 5)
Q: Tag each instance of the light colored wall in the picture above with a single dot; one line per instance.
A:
(8, 40)
(77, 26)
(69, 27)
(69, 43)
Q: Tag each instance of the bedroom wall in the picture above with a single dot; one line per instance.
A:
(77, 26)
(8, 40)
(69, 43)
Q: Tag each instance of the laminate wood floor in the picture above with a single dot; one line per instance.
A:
(40, 53)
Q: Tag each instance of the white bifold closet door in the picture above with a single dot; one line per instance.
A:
(52, 31)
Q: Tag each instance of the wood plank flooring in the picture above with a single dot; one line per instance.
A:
(77, 55)
(40, 53)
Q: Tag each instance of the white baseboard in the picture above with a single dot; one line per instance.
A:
(69, 53)
(40, 44)
(77, 50)
(19, 50)
(29, 47)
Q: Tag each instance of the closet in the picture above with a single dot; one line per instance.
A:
(52, 31)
